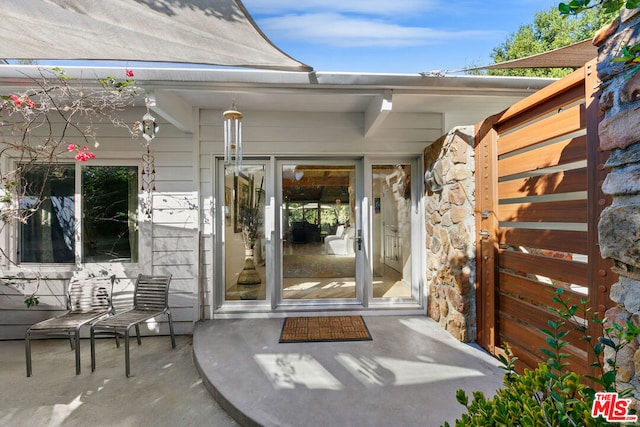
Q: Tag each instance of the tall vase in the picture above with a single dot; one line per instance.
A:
(249, 278)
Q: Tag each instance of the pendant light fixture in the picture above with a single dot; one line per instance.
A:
(148, 126)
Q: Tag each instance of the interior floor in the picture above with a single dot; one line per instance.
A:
(317, 276)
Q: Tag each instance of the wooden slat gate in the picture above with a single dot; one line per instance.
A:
(538, 198)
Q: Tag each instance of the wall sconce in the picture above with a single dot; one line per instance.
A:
(433, 177)
(233, 139)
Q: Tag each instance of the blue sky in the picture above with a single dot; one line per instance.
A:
(392, 36)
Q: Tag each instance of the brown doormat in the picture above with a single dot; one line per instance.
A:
(324, 328)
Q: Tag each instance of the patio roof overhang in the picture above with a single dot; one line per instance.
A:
(384, 100)
(216, 32)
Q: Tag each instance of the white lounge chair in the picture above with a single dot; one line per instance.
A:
(340, 244)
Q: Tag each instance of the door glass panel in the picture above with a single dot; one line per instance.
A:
(244, 249)
(391, 231)
(318, 231)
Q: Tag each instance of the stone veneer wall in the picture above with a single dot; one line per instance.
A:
(619, 227)
(451, 235)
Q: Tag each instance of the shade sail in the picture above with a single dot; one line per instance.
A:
(572, 56)
(216, 32)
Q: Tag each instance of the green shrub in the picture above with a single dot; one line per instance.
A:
(552, 395)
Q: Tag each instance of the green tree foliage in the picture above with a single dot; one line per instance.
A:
(610, 6)
(549, 30)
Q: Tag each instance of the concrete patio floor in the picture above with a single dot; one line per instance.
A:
(406, 376)
(164, 388)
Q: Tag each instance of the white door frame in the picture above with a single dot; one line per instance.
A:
(274, 304)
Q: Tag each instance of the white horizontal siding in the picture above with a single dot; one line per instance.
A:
(171, 244)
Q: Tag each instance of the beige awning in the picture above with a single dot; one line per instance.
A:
(572, 56)
(216, 32)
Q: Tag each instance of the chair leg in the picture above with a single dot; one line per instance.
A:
(27, 349)
(71, 342)
(138, 334)
(77, 345)
(93, 350)
(126, 353)
(173, 337)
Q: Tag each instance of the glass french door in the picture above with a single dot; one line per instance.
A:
(321, 243)
(319, 233)
(245, 242)
(392, 221)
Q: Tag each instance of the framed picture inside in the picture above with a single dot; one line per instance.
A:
(242, 201)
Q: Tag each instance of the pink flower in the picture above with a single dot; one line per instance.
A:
(30, 103)
(83, 154)
(129, 73)
(16, 100)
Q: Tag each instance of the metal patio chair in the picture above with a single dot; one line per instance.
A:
(88, 300)
(150, 299)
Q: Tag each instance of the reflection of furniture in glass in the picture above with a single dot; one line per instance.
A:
(340, 243)
(304, 232)
(392, 248)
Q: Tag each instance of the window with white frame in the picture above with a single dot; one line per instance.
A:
(106, 229)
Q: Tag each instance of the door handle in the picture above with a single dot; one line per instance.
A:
(359, 240)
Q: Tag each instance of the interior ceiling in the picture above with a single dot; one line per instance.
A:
(317, 183)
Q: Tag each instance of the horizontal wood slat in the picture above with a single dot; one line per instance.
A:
(531, 340)
(546, 105)
(552, 268)
(562, 211)
(563, 152)
(555, 240)
(527, 358)
(555, 89)
(553, 183)
(548, 128)
(536, 317)
(533, 291)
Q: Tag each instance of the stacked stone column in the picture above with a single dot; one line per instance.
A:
(619, 227)
(451, 234)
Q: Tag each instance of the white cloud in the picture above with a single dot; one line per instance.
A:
(346, 31)
(372, 7)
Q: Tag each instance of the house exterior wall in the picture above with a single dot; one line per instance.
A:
(168, 242)
(295, 134)
(619, 227)
(178, 240)
(381, 117)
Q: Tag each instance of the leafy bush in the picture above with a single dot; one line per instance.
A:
(552, 395)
